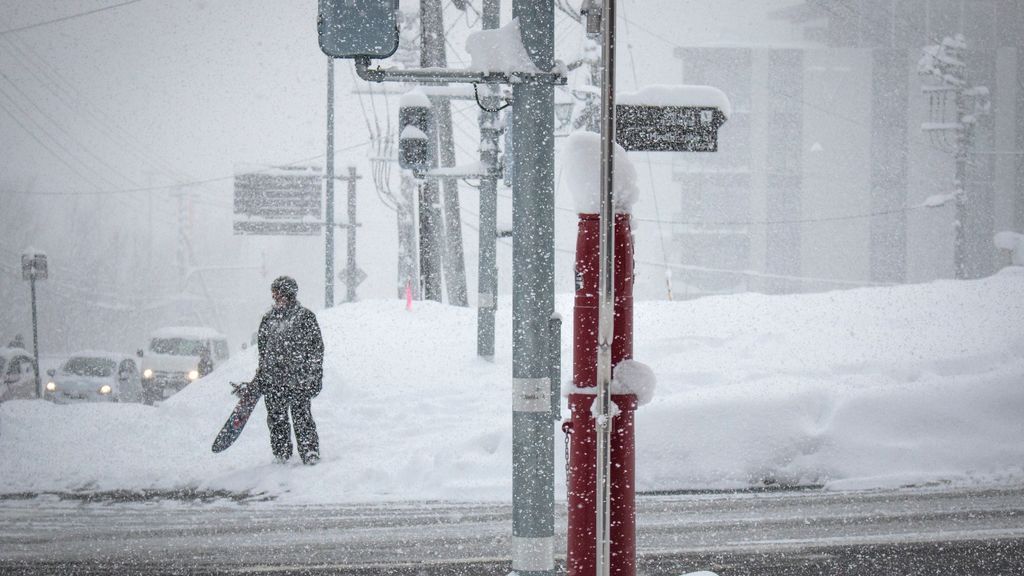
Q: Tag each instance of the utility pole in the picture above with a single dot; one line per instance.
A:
(533, 224)
(352, 272)
(329, 193)
(34, 267)
(945, 62)
(408, 271)
(430, 223)
(435, 56)
(490, 134)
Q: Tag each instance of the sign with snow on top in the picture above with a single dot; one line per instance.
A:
(677, 118)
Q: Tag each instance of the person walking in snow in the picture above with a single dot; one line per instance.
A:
(290, 373)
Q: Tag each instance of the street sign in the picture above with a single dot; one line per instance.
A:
(33, 266)
(357, 278)
(275, 201)
(290, 192)
(358, 28)
(668, 128)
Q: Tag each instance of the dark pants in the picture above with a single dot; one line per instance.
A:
(278, 406)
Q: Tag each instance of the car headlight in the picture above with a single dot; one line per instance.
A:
(51, 387)
(193, 374)
(147, 373)
(105, 389)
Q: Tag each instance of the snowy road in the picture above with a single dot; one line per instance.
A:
(895, 532)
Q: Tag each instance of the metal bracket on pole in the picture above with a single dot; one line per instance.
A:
(555, 78)
(606, 295)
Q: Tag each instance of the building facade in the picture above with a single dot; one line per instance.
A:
(825, 178)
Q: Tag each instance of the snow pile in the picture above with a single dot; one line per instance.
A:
(863, 388)
(690, 95)
(499, 50)
(582, 157)
(637, 378)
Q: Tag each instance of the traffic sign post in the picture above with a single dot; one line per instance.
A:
(33, 267)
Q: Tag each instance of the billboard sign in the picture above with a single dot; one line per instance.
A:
(275, 201)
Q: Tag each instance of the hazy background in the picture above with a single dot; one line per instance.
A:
(120, 132)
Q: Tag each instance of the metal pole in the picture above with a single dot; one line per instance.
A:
(963, 144)
(406, 216)
(533, 223)
(454, 259)
(329, 208)
(350, 286)
(35, 336)
(431, 44)
(606, 293)
(487, 280)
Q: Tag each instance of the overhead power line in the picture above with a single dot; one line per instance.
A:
(66, 18)
(168, 186)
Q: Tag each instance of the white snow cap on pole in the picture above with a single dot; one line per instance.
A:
(583, 174)
(415, 98)
(499, 50)
(677, 95)
(1012, 241)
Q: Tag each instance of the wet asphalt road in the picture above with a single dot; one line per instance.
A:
(908, 532)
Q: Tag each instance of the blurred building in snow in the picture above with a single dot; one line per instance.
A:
(823, 167)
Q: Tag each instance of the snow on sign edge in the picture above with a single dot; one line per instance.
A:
(677, 95)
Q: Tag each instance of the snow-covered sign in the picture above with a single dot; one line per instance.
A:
(278, 201)
(677, 118)
(354, 28)
(33, 265)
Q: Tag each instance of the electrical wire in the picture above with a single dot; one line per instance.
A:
(179, 185)
(66, 18)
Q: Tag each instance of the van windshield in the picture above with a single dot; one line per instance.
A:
(79, 366)
(176, 346)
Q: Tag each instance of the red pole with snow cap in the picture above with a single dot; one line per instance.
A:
(582, 483)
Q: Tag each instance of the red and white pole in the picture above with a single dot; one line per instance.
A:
(582, 468)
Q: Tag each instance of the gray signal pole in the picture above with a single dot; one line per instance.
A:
(487, 278)
(329, 192)
(533, 225)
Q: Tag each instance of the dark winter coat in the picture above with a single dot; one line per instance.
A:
(291, 352)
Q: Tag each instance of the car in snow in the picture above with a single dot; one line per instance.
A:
(95, 376)
(17, 374)
(172, 358)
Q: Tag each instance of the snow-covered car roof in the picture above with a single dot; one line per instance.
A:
(197, 332)
(117, 356)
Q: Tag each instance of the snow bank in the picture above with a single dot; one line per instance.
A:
(864, 388)
(499, 50)
(582, 165)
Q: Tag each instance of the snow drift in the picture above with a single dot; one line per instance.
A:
(864, 388)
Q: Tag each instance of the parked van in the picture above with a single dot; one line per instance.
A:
(173, 359)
